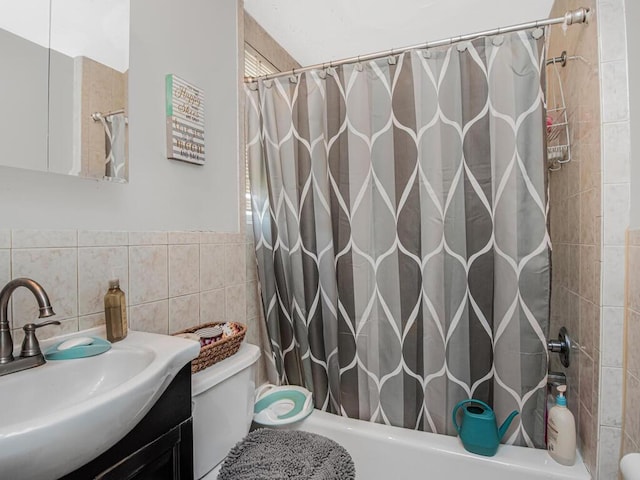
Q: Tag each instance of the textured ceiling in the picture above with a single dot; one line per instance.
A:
(319, 31)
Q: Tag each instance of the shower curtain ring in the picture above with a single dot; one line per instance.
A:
(391, 59)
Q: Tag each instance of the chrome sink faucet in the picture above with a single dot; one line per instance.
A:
(31, 355)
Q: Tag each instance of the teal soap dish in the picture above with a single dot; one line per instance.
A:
(77, 347)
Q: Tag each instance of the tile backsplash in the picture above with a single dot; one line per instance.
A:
(172, 280)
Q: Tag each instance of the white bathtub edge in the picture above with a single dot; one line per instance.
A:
(513, 461)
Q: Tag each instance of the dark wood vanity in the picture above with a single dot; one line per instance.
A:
(159, 447)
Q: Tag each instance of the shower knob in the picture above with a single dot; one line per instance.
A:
(561, 346)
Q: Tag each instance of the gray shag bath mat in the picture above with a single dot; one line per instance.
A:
(267, 454)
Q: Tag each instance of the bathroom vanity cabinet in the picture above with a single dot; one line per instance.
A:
(159, 447)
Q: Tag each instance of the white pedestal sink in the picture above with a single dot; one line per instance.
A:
(57, 417)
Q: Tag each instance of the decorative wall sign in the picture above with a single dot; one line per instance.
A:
(185, 120)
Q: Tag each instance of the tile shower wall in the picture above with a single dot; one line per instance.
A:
(590, 197)
(575, 224)
(631, 437)
(173, 280)
(615, 220)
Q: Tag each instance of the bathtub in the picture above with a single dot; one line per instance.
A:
(381, 452)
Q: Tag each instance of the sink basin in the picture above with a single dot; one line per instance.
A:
(57, 417)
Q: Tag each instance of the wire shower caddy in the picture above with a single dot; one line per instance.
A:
(558, 139)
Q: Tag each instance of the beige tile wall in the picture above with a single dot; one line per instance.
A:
(589, 216)
(173, 280)
(103, 90)
(631, 425)
(575, 224)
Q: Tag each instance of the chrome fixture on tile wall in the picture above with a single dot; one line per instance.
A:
(562, 346)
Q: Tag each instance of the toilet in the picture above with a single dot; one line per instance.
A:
(222, 409)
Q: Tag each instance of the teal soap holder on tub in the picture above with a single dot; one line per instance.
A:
(77, 347)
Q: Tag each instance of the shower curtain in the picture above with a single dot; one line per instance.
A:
(399, 214)
(115, 133)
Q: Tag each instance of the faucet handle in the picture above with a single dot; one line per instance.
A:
(30, 344)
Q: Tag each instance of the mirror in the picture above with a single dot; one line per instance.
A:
(24, 85)
(79, 57)
(88, 65)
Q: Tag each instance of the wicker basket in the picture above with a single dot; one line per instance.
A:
(216, 351)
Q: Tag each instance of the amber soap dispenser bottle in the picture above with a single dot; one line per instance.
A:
(115, 312)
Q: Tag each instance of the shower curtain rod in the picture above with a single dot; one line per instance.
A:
(98, 115)
(572, 17)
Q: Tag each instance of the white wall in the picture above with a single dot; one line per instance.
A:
(316, 32)
(197, 40)
(27, 19)
(98, 30)
(632, 11)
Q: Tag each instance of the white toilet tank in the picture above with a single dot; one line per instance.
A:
(222, 407)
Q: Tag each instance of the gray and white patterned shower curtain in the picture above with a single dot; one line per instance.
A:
(400, 227)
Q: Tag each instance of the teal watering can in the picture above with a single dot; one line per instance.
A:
(479, 431)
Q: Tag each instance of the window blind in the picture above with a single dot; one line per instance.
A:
(255, 64)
